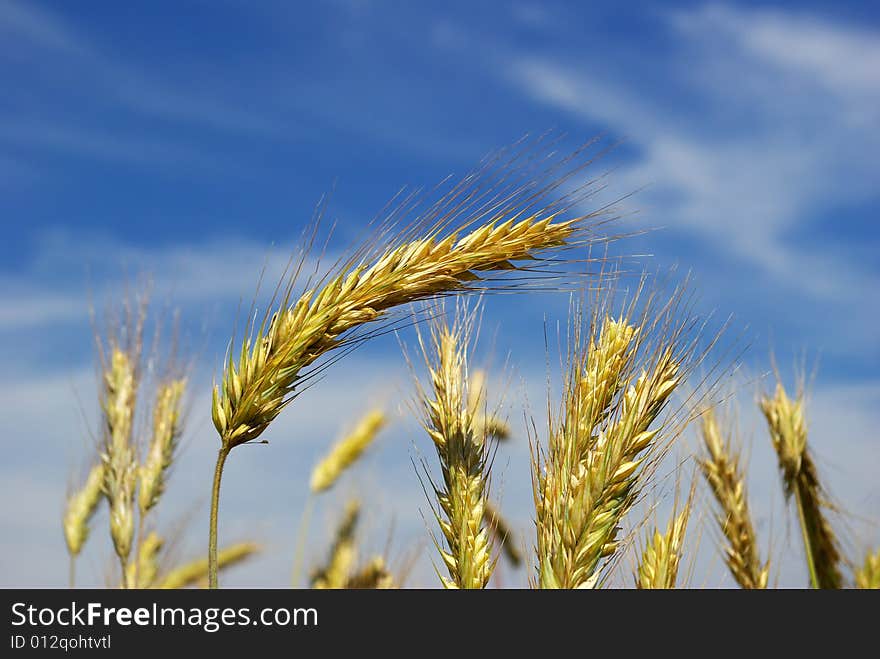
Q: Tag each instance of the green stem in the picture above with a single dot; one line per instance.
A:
(72, 571)
(808, 547)
(215, 507)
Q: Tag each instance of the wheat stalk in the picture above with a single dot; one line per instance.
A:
(513, 224)
(463, 453)
(722, 472)
(788, 434)
(345, 452)
(658, 568)
(81, 507)
(195, 572)
(868, 576)
(343, 553)
(589, 477)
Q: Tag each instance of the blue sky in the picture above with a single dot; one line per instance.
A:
(192, 140)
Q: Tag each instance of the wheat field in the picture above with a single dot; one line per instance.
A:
(638, 410)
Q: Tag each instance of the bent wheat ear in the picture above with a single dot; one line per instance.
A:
(516, 219)
(195, 572)
(343, 554)
(160, 454)
(868, 576)
(347, 451)
(788, 434)
(463, 454)
(722, 472)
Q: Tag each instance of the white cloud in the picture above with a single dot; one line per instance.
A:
(768, 156)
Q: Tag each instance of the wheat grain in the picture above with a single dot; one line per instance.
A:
(722, 472)
(788, 434)
(347, 451)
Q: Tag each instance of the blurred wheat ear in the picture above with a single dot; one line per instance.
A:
(787, 425)
(514, 208)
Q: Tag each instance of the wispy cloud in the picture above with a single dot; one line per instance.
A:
(774, 156)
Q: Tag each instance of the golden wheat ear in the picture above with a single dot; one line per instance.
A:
(121, 374)
(722, 471)
(461, 447)
(786, 422)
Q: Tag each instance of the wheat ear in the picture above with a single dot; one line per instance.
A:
(721, 469)
(788, 434)
(589, 477)
(160, 454)
(868, 576)
(662, 555)
(119, 460)
(343, 553)
(196, 572)
(345, 452)
(463, 453)
(80, 509)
